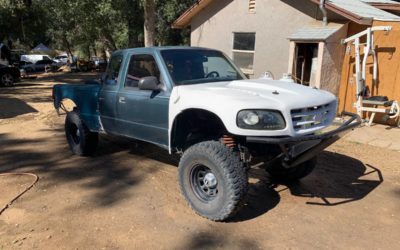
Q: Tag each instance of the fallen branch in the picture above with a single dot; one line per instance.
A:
(23, 192)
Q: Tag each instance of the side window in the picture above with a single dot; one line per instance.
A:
(113, 70)
(140, 66)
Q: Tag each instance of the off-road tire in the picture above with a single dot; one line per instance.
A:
(287, 175)
(81, 141)
(7, 80)
(229, 172)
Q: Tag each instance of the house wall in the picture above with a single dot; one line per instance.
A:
(273, 22)
(332, 61)
(388, 52)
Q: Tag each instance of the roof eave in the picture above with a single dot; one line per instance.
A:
(384, 6)
(347, 14)
(184, 20)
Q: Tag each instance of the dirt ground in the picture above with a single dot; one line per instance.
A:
(127, 196)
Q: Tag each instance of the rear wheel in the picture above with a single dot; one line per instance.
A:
(7, 80)
(80, 139)
(213, 180)
(286, 175)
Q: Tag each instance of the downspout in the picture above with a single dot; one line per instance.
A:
(324, 13)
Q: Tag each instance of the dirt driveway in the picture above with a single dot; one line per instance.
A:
(127, 197)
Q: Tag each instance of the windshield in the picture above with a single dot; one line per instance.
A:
(194, 66)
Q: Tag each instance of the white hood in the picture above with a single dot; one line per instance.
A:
(226, 99)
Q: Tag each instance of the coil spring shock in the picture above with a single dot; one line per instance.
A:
(229, 141)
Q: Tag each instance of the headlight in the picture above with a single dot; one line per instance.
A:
(260, 120)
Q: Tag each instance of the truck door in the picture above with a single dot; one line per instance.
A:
(108, 94)
(143, 113)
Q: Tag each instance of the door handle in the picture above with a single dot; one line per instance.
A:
(121, 99)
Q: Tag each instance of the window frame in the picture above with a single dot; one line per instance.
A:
(246, 71)
(106, 75)
(127, 70)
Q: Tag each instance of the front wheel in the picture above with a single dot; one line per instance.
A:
(81, 141)
(213, 180)
(286, 175)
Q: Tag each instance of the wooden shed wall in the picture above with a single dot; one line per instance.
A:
(388, 52)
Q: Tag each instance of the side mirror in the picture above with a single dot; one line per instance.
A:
(148, 83)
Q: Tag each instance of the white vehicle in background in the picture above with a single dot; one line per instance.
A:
(61, 60)
(34, 58)
(40, 66)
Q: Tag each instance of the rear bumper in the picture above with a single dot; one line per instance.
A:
(296, 150)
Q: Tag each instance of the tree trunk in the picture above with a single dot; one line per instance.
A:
(71, 56)
(149, 23)
(135, 20)
(108, 41)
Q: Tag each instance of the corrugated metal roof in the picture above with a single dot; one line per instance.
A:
(364, 10)
(315, 32)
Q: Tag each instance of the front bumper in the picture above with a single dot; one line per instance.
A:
(296, 150)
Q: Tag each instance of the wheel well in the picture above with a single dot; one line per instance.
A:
(68, 105)
(195, 125)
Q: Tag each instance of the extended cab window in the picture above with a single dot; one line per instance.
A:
(113, 70)
(141, 66)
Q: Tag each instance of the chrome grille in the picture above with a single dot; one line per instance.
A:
(313, 117)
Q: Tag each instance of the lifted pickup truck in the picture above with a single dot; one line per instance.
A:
(195, 102)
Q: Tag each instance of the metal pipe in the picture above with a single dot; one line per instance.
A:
(324, 13)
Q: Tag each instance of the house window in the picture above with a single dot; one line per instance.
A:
(252, 6)
(243, 51)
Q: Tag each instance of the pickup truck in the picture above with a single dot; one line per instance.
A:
(196, 103)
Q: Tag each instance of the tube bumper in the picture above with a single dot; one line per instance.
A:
(296, 150)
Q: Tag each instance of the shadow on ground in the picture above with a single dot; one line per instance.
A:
(70, 77)
(106, 173)
(338, 179)
(12, 107)
(213, 240)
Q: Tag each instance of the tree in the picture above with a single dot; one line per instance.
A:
(149, 22)
(167, 12)
(87, 26)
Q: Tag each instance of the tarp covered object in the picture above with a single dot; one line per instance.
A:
(41, 47)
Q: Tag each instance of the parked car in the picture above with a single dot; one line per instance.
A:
(61, 60)
(39, 66)
(99, 63)
(197, 104)
(9, 75)
(19, 64)
(34, 58)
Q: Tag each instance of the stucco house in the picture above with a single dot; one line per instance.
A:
(300, 37)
